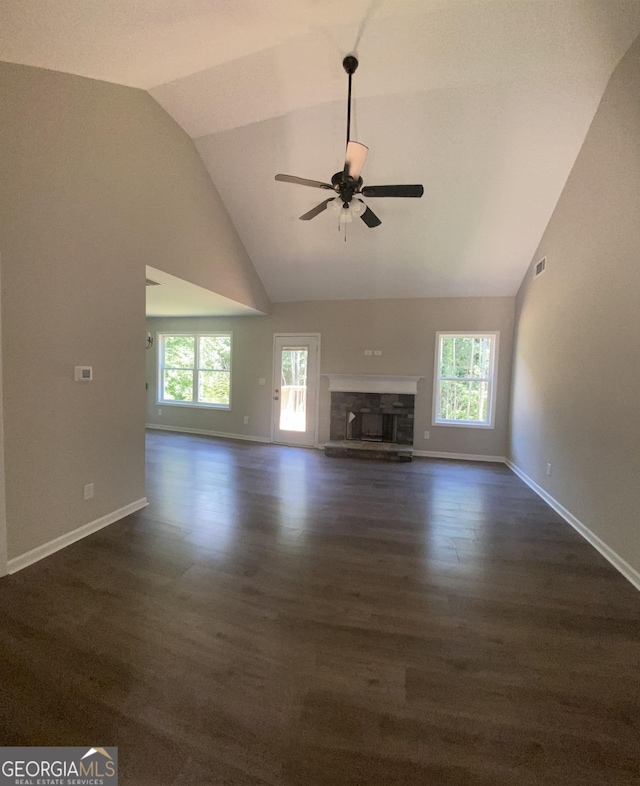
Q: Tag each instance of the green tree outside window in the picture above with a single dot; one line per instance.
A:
(196, 369)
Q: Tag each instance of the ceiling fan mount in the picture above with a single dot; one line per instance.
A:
(350, 64)
(347, 183)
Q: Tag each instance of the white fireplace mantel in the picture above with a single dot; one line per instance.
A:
(372, 383)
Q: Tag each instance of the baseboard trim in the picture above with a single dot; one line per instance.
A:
(206, 433)
(459, 456)
(621, 565)
(40, 552)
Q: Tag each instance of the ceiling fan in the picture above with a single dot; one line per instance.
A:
(347, 183)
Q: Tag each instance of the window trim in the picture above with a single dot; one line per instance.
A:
(492, 379)
(161, 367)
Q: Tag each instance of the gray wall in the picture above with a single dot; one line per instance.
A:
(403, 329)
(97, 181)
(576, 376)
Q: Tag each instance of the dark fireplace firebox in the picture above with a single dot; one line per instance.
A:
(371, 427)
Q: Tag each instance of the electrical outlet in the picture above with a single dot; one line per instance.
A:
(377, 352)
(246, 420)
(159, 412)
(426, 435)
(88, 491)
(548, 469)
(368, 352)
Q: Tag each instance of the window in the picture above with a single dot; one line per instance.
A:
(195, 370)
(464, 385)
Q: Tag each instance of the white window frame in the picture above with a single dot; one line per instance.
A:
(161, 368)
(492, 380)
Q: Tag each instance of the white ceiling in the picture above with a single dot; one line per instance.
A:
(484, 102)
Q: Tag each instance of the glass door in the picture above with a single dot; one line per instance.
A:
(295, 383)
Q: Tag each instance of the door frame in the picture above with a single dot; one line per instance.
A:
(316, 414)
(4, 558)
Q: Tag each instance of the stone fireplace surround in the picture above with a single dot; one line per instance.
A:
(401, 405)
(375, 394)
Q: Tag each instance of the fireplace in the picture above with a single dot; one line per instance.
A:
(371, 426)
(372, 417)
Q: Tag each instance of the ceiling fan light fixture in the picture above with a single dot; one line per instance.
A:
(357, 207)
(336, 204)
(345, 216)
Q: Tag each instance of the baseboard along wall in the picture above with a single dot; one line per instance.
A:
(206, 433)
(459, 456)
(629, 572)
(40, 552)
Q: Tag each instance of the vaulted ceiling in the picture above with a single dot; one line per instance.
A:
(484, 102)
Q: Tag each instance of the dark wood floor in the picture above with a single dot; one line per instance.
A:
(279, 617)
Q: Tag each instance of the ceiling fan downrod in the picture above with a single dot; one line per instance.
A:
(350, 64)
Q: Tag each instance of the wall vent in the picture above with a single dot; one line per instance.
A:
(151, 283)
(540, 267)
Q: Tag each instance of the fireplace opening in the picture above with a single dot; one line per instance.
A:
(371, 427)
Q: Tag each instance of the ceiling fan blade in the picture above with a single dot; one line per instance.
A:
(316, 210)
(354, 159)
(301, 181)
(370, 218)
(392, 191)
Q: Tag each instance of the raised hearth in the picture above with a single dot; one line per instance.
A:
(349, 448)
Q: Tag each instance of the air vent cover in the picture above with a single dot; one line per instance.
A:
(540, 267)
(151, 283)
